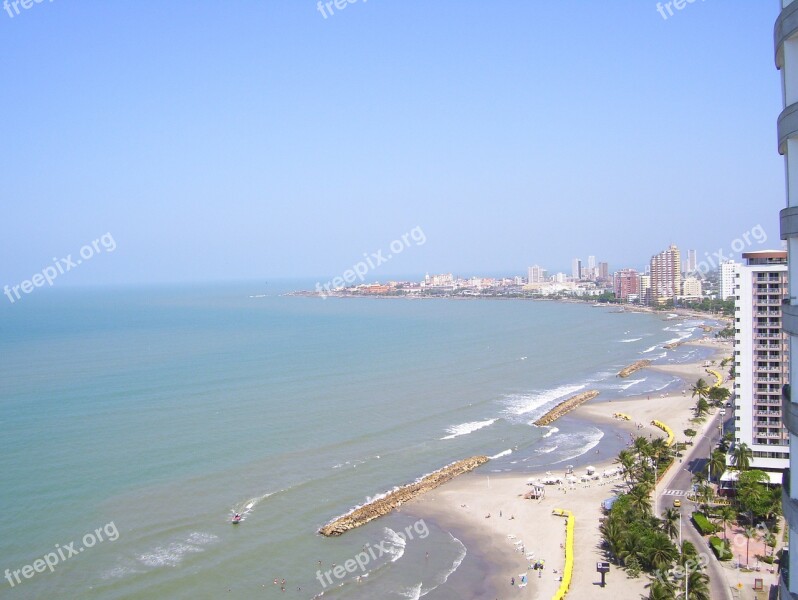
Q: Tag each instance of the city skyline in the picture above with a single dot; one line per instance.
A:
(255, 157)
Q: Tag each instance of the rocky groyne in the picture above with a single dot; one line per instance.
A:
(635, 366)
(566, 406)
(383, 506)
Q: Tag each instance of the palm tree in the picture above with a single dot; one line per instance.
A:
(726, 515)
(688, 552)
(749, 532)
(700, 389)
(660, 552)
(641, 444)
(639, 498)
(670, 522)
(698, 588)
(701, 408)
(613, 534)
(626, 460)
(716, 464)
(660, 590)
(741, 456)
(770, 540)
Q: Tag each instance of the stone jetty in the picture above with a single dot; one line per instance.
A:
(635, 366)
(566, 406)
(383, 506)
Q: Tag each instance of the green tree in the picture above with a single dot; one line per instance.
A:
(691, 433)
(741, 456)
(700, 389)
(660, 552)
(749, 532)
(698, 588)
(701, 407)
(660, 590)
(670, 522)
(718, 395)
(752, 494)
(640, 499)
(716, 464)
(726, 515)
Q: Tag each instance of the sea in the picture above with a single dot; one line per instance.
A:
(136, 421)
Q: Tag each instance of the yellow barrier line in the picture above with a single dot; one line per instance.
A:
(569, 552)
(666, 429)
(717, 376)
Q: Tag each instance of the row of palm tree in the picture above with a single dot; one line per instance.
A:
(637, 539)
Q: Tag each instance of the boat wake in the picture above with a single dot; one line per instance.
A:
(248, 506)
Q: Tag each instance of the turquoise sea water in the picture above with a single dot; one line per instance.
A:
(165, 410)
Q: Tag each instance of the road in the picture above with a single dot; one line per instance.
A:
(679, 480)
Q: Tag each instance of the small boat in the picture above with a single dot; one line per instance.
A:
(236, 519)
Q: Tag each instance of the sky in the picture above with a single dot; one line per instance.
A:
(245, 140)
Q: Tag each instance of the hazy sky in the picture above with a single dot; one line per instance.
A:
(238, 140)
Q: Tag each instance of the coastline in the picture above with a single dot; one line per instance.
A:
(463, 505)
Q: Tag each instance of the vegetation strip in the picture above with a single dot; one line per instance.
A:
(384, 505)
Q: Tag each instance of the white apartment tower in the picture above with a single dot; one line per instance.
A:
(785, 37)
(761, 358)
(728, 279)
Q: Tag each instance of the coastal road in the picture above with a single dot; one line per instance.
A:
(679, 482)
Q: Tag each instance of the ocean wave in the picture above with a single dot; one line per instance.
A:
(500, 454)
(573, 445)
(630, 340)
(524, 404)
(551, 431)
(547, 449)
(173, 554)
(396, 544)
(651, 349)
(413, 592)
(626, 385)
(442, 579)
(466, 428)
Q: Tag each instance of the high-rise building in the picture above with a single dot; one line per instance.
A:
(666, 275)
(627, 284)
(591, 262)
(576, 268)
(761, 358)
(645, 289)
(691, 288)
(537, 274)
(603, 270)
(691, 261)
(728, 279)
(786, 47)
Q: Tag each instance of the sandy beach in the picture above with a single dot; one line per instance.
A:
(512, 533)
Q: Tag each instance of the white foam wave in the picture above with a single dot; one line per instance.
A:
(441, 579)
(173, 554)
(651, 349)
(500, 454)
(572, 445)
(551, 431)
(627, 385)
(630, 340)
(466, 428)
(524, 404)
(396, 544)
(414, 592)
